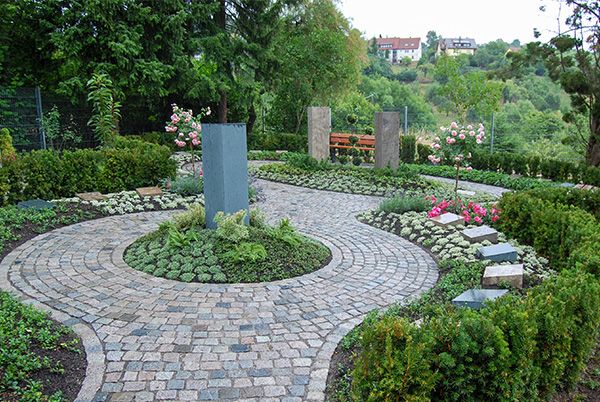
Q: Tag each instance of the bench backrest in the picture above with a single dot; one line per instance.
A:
(344, 138)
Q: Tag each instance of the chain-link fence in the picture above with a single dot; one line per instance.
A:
(40, 120)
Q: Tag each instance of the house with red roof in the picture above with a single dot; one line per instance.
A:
(396, 49)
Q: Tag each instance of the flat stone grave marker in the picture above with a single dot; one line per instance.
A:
(498, 252)
(35, 204)
(474, 298)
(148, 191)
(481, 233)
(466, 192)
(585, 187)
(515, 176)
(449, 219)
(510, 273)
(93, 196)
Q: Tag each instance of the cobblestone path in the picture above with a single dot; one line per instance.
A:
(150, 339)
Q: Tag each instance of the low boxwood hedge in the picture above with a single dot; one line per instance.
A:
(47, 174)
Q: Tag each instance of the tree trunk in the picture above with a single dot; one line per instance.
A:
(222, 18)
(592, 154)
(222, 116)
(251, 120)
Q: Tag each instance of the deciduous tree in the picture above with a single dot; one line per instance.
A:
(466, 91)
(572, 59)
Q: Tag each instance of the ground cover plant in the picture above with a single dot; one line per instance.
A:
(302, 170)
(39, 359)
(485, 177)
(183, 249)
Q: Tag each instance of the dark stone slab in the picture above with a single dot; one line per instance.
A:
(481, 233)
(498, 252)
(35, 204)
(474, 298)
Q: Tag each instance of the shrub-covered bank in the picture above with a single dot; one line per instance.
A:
(525, 346)
(518, 348)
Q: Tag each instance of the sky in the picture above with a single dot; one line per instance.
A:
(482, 20)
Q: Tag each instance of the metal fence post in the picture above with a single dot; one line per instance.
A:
(492, 143)
(405, 120)
(38, 103)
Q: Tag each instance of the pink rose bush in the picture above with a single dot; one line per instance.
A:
(455, 145)
(471, 212)
(187, 128)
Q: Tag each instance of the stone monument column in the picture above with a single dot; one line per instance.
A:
(387, 140)
(225, 170)
(319, 127)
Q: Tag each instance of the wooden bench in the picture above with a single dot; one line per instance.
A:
(342, 140)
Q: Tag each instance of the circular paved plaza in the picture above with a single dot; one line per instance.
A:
(149, 338)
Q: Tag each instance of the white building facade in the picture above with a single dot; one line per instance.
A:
(397, 49)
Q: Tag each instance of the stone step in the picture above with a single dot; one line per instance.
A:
(512, 274)
(481, 233)
(498, 252)
(474, 298)
(148, 191)
(448, 219)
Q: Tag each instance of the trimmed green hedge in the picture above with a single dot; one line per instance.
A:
(565, 234)
(478, 176)
(532, 166)
(48, 175)
(515, 349)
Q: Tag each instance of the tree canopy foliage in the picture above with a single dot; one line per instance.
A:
(572, 60)
(467, 91)
(226, 54)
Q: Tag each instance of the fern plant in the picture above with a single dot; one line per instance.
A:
(177, 239)
(247, 252)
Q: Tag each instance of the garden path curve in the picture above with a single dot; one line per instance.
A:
(150, 339)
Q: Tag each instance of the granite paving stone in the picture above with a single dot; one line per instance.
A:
(151, 339)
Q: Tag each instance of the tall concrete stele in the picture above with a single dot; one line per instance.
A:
(387, 140)
(319, 128)
(225, 170)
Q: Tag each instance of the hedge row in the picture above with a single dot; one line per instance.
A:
(533, 166)
(588, 201)
(565, 234)
(479, 176)
(529, 166)
(50, 175)
(516, 349)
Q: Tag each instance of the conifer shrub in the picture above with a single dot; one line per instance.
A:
(558, 232)
(515, 348)
(7, 151)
